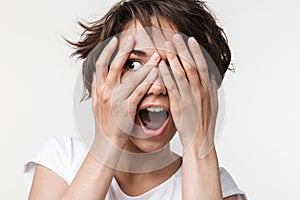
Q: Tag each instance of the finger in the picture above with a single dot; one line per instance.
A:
(117, 65)
(94, 94)
(200, 61)
(99, 82)
(214, 87)
(132, 81)
(168, 80)
(187, 61)
(105, 56)
(177, 70)
(152, 62)
(143, 88)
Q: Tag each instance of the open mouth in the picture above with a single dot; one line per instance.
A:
(153, 119)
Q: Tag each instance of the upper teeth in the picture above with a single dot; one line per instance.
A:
(155, 109)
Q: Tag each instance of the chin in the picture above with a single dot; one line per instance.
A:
(144, 145)
(154, 143)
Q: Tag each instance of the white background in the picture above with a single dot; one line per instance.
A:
(260, 143)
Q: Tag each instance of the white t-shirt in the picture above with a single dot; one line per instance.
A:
(64, 156)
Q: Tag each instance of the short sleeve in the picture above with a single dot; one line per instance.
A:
(62, 155)
(229, 187)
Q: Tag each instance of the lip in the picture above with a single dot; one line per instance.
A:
(153, 133)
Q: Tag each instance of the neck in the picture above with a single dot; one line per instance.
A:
(134, 184)
(141, 162)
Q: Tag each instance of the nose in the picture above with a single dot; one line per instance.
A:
(157, 87)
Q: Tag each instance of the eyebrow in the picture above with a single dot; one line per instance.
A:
(139, 53)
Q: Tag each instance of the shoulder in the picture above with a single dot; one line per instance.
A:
(229, 186)
(63, 155)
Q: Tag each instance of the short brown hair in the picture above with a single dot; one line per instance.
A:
(191, 17)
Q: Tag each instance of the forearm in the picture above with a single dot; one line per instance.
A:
(201, 179)
(91, 182)
(95, 175)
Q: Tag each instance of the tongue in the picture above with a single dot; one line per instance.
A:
(153, 120)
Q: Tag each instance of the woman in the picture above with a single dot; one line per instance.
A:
(148, 78)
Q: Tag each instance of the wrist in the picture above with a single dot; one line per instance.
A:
(200, 148)
(200, 145)
(193, 161)
(111, 137)
(107, 150)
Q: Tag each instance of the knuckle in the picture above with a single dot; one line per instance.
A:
(172, 56)
(203, 68)
(183, 53)
(178, 72)
(181, 76)
(191, 69)
(113, 65)
(99, 63)
(106, 95)
(98, 91)
(181, 49)
(105, 98)
(138, 93)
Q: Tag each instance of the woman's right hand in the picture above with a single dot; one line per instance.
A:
(114, 102)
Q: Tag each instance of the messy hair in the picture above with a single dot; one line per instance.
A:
(190, 17)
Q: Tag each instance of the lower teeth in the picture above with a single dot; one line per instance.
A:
(153, 120)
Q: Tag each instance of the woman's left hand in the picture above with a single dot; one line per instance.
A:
(192, 93)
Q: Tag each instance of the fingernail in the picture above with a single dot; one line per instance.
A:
(193, 42)
(154, 57)
(112, 41)
(177, 38)
(129, 40)
(168, 46)
(161, 63)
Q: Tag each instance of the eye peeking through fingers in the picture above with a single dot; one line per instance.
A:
(132, 65)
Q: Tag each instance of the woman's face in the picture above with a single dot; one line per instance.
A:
(155, 127)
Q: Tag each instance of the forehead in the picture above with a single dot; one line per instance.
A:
(160, 33)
